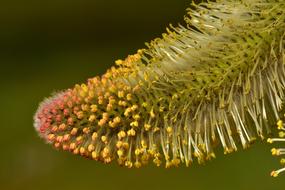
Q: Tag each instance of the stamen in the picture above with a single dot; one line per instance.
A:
(272, 140)
(278, 151)
(277, 172)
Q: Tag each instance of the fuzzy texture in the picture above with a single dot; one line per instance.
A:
(218, 80)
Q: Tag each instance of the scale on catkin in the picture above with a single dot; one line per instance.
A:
(217, 81)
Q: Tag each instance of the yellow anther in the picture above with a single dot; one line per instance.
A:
(76, 151)
(111, 103)
(134, 107)
(102, 122)
(147, 127)
(73, 131)
(157, 155)
(59, 138)
(138, 164)
(94, 136)
(62, 127)
(86, 130)
(100, 100)
(144, 104)
(121, 134)
(109, 107)
(275, 152)
(105, 152)
(105, 115)
(95, 155)
(119, 62)
(117, 119)
(175, 162)
(122, 103)
(82, 150)
(140, 51)
(91, 147)
(51, 137)
(151, 152)
(126, 88)
(92, 118)
(121, 94)
(84, 87)
(281, 134)
(126, 145)
(107, 160)
(169, 130)
(131, 132)
(112, 124)
(127, 111)
(107, 95)
(104, 139)
(113, 89)
(274, 174)
(137, 152)
(120, 153)
(77, 87)
(94, 108)
(82, 93)
(161, 109)
(104, 81)
(84, 107)
(175, 96)
(129, 164)
(91, 94)
(269, 140)
(280, 124)
(119, 144)
(157, 162)
(136, 117)
(156, 129)
(134, 124)
(79, 138)
(210, 156)
(72, 146)
(129, 97)
(80, 115)
(143, 143)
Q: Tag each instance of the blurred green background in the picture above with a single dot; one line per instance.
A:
(47, 46)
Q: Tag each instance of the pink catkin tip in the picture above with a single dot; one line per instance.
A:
(48, 112)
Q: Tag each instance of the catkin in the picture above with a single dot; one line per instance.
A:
(218, 80)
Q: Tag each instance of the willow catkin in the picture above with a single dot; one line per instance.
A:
(218, 80)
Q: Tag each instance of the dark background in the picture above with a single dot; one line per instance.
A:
(47, 46)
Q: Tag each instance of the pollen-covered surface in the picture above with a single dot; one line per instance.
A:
(101, 120)
(220, 80)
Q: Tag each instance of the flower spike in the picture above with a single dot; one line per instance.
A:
(218, 80)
